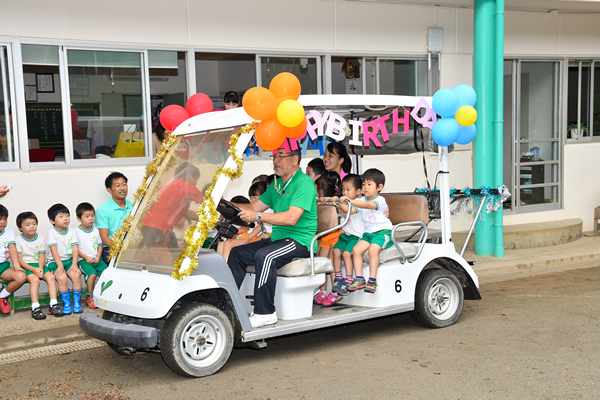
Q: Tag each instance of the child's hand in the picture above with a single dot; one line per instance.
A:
(344, 198)
(76, 272)
(39, 272)
(59, 271)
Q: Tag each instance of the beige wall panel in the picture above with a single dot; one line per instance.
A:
(267, 24)
(132, 21)
(382, 28)
(464, 31)
(580, 34)
(445, 18)
(456, 69)
(583, 159)
(528, 33)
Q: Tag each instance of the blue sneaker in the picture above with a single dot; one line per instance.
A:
(341, 287)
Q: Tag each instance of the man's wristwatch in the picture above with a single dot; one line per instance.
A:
(258, 217)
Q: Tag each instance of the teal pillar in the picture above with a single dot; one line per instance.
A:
(484, 144)
(499, 125)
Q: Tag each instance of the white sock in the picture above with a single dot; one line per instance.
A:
(53, 302)
(34, 306)
(4, 293)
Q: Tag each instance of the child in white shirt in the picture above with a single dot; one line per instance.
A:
(90, 249)
(32, 257)
(378, 230)
(8, 251)
(64, 248)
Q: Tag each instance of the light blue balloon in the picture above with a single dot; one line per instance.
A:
(466, 95)
(445, 131)
(466, 134)
(445, 103)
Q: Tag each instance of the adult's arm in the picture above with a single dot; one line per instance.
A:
(104, 236)
(256, 207)
(284, 218)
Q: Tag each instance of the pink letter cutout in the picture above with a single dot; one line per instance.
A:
(429, 119)
(404, 121)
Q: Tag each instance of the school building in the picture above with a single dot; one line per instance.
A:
(75, 75)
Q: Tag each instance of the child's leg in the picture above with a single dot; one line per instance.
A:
(374, 250)
(221, 247)
(324, 252)
(63, 283)
(34, 287)
(75, 277)
(337, 260)
(230, 244)
(348, 263)
(357, 253)
(91, 280)
(17, 279)
(49, 278)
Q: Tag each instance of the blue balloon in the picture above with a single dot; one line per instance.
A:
(445, 131)
(466, 134)
(445, 103)
(466, 95)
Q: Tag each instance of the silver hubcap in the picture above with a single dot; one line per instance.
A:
(203, 341)
(443, 299)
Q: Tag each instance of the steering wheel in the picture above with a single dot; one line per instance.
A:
(230, 213)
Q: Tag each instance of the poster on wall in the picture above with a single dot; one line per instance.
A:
(45, 83)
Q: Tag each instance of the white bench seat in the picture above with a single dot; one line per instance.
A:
(409, 249)
(301, 267)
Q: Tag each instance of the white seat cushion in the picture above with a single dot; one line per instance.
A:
(301, 267)
(389, 254)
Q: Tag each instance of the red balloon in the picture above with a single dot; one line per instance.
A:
(269, 134)
(172, 116)
(296, 131)
(198, 104)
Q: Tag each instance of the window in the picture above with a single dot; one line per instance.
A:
(531, 112)
(107, 88)
(583, 112)
(7, 138)
(306, 69)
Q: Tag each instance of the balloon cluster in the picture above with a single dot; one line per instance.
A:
(278, 109)
(172, 116)
(455, 106)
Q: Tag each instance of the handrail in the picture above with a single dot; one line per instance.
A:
(318, 235)
(422, 239)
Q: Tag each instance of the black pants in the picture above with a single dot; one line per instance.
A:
(267, 256)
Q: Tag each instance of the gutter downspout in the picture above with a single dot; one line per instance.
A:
(499, 125)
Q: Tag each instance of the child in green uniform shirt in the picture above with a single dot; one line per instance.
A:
(8, 251)
(90, 249)
(32, 257)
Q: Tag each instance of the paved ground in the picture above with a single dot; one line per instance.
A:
(533, 338)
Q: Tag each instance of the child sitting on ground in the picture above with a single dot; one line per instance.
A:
(378, 229)
(353, 231)
(63, 246)
(224, 248)
(90, 249)
(8, 250)
(32, 257)
(326, 188)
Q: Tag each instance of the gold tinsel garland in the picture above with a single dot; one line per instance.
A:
(207, 212)
(151, 170)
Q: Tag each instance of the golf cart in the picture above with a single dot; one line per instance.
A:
(196, 321)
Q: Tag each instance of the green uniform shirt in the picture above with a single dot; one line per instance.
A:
(300, 192)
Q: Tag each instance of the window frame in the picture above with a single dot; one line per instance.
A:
(10, 77)
(590, 111)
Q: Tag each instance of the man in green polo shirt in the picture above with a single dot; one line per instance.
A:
(110, 215)
(293, 199)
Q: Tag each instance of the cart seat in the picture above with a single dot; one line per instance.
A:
(391, 253)
(301, 267)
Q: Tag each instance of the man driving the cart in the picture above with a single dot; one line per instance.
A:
(294, 219)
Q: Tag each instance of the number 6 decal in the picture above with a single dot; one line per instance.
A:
(145, 294)
(398, 286)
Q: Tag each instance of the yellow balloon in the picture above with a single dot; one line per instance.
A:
(466, 115)
(290, 113)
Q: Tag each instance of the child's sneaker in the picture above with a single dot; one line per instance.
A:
(55, 310)
(90, 302)
(341, 287)
(4, 305)
(371, 287)
(320, 298)
(331, 299)
(358, 283)
(37, 314)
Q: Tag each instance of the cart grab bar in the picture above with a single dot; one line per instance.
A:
(422, 239)
(319, 235)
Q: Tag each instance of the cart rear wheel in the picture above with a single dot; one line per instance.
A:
(438, 299)
(196, 340)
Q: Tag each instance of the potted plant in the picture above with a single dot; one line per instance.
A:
(576, 131)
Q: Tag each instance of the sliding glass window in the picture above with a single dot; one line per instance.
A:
(7, 137)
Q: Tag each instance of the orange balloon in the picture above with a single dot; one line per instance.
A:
(269, 134)
(259, 103)
(285, 86)
(296, 131)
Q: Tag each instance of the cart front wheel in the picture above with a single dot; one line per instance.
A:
(438, 299)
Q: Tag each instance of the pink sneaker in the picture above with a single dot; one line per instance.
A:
(331, 299)
(320, 298)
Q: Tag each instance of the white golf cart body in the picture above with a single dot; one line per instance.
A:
(141, 300)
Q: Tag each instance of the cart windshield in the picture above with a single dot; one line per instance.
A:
(156, 236)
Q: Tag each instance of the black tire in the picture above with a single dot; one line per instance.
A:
(196, 340)
(438, 299)
(120, 350)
